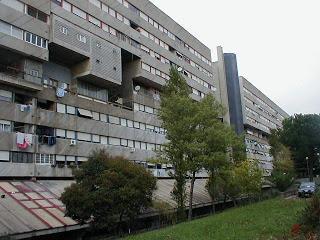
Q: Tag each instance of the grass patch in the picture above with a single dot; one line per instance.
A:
(263, 220)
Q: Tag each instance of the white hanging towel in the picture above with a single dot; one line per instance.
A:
(28, 138)
(20, 138)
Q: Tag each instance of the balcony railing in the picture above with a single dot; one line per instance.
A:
(9, 73)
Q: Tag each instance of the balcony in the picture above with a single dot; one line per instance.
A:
(18, 78)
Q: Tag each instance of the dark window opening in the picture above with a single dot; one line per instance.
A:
(22, 127)
(42, 16)
(46, 135)
(46, 105)
(171, 49)
(133, 25)
(22, 99)
(32, 12)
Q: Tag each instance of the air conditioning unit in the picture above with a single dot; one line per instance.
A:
(73, 142)
(132, 150)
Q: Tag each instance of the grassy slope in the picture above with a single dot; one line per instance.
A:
(257, 221)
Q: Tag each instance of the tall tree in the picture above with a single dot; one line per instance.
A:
(195, 132)
(177, 112)
(283, 172)
(301, 134)
(107, 190)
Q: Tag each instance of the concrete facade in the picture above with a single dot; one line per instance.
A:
(80, 75)
(250, 111)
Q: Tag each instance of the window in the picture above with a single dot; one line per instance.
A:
(126, 21)
(151, 146)
(71, 158)
(4, 156)
(36, 40)
(5, 96)
(71, 110)
(61, 133)
(44, 159)
(96, 116)
(103, 117)
(17, 33)
(137, 144)
(79, 12)
(136, 125)
(94, 21)
(66, 6)
(150, 127)
(114, 141)
(112, 31)
(143, 146)
(123, 122)
(105, 8)
(130, 143)
(114, 120)
(141, 108)
(5, 28)
(42, 16)
(104, 140)
(5, 126)
(149, 109)
(112, 12)
(84, 137)
(81, 38)
(145, 67)
(130, 123)
(105, 27)
(142, 126)
(96, 138)
(64, 30)
(10, 30)
(21, 157)
(96, 3)
(92, 91)
(125, 3)
(61, 108)
(71, 134)
(144, 16)
(124, 142)
(119, 17)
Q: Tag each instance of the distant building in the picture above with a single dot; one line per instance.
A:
(249, 111)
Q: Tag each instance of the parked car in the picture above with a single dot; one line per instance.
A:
(306, 189)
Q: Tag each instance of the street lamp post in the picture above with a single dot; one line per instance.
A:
(307, 159)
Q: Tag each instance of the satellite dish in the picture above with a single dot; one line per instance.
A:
(137, 88)
(179, 69)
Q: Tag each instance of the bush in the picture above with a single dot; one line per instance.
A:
(108, 191)
(310, 216)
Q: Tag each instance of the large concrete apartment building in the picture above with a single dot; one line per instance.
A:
(249, 111)
(77, 75)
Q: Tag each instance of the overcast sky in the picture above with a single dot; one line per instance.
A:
(277, 43)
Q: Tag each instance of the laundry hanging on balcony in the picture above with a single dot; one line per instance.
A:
(24, 140)
(25, 108)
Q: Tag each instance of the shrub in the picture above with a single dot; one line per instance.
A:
(108, 191)
(310, 216)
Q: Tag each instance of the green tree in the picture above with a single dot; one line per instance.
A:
(195, 132)
(177, 113)
(301, 134)
(108, 190)
(283, 172)
(243, 179)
